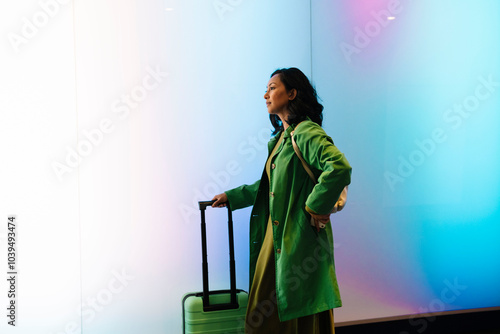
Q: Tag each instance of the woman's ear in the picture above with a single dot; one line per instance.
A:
(292, 94)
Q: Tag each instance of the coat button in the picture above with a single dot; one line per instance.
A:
(271, 194)
(276, 222)
(273, 166)
(278, 251)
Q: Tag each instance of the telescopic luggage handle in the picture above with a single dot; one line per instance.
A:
(232, 271)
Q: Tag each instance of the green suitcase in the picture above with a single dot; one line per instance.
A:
(215, 312)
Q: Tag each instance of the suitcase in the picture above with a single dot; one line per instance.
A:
(213, 312)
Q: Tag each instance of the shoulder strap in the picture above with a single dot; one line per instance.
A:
(343, 196)
(304, 163)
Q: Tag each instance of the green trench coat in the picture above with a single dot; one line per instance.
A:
(305, 270)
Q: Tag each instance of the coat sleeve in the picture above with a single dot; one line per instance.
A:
(334, 170)
(242, 196)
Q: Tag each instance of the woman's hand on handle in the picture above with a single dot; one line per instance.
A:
(220, 201)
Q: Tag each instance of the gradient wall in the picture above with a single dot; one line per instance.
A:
(118, 116)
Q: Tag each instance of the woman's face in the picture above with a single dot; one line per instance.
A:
(277, 97)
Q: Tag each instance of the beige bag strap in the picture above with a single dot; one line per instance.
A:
(304, 163)
(343, 196)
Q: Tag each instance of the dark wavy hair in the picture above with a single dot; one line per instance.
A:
(305, 103)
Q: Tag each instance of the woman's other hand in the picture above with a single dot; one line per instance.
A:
(220, 201)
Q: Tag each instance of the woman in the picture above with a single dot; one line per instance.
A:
(293, 287)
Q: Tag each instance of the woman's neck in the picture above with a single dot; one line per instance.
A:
(284, 117)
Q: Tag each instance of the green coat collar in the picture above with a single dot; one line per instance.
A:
(288, 131)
